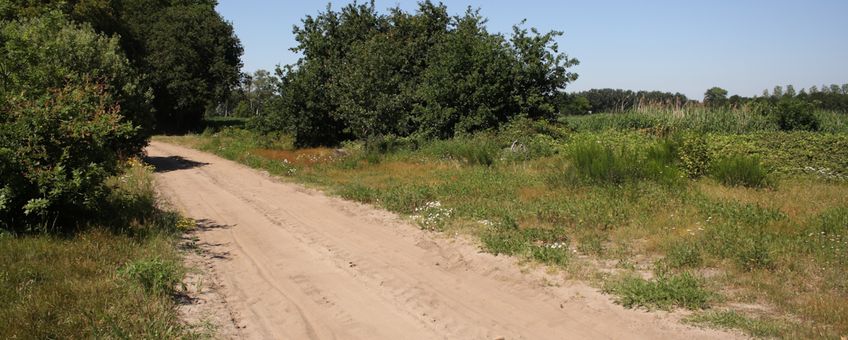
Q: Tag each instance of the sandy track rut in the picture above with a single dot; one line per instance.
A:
(296, 264)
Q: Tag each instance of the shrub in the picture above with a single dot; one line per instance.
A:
(56, 153)
(70, 109)
(738, 170)
(603, 165)
(793, 114)
(694, 155)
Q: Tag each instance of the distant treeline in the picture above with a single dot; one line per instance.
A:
(828, 97)
(366, 74)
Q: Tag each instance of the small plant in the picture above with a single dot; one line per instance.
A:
(739, 170)
(155, 275)
(664, 292)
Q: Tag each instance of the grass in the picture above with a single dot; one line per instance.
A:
(627, 209)
(106, 281)
(664, 292)
(735, 170)
(728, 319)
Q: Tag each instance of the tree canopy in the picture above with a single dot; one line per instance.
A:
(366, 74)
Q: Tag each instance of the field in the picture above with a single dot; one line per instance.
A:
(115, 278)
(745, 230)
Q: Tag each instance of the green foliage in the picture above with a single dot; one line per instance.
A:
(664, 292)
(617, 100)
(792, 114)
(365, 74)
(187, 52)
(694, 155)
(56, 152)
(473, 151)
(67, 287)
(595, 163)
(715, 97)
(736, 170)
(156, 276)
(549, 246)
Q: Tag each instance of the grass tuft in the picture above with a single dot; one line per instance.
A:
(664, 292)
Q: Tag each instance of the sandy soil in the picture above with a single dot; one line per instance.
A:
(287, 262)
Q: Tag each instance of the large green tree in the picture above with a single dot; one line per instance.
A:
(187, 51)
(364, 74)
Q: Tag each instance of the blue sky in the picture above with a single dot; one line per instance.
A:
(744, 46)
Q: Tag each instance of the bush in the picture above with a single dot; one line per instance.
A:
(694, 155)
(70, 109)
(738, 170)
(793, 114)
(56, 153)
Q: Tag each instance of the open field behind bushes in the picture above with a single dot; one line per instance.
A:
(749, 231)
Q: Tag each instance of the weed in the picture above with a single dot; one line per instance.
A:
(664, 292)
(154, 275)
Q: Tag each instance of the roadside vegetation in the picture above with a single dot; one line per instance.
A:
(670, 219)
(85, 250)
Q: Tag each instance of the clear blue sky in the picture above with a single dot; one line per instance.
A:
(744, 46)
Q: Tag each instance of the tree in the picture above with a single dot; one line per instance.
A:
(190, 54)
(715, 97)
(366, 75)
(778, 91)
(790, 91)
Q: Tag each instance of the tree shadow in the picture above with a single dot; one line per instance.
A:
(172, 163)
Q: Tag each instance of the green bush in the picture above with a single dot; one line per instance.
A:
(738, 170)
(694, 155)
(70, 109)
(792, 114)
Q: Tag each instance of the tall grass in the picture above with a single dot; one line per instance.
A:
(736, 170)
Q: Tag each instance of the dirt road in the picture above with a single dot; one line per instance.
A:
(293, 263)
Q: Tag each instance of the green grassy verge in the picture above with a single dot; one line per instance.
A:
(611, 206)
(115, 279)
